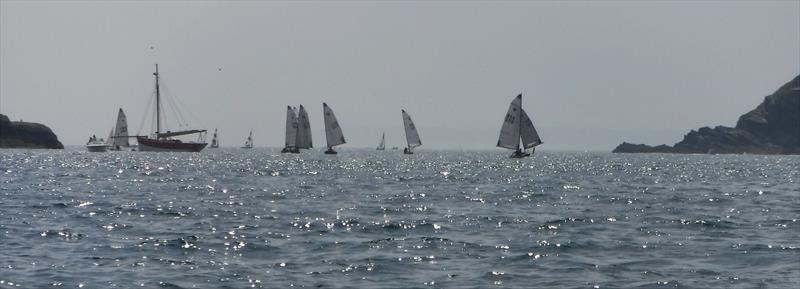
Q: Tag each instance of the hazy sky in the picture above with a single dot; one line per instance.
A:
(592, 74)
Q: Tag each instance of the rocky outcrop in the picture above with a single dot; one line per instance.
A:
(771, 128)
(18, 134)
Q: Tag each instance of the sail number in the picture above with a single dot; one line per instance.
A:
(510, 118)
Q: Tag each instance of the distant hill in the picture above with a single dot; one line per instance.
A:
(18, 134)
(771, 128)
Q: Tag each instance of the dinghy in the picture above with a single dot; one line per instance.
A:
(517, 126)
(412, 137)
(333, 133)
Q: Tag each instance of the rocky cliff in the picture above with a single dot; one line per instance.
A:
(771, 128)
(20, 134)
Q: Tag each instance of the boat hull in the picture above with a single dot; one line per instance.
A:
(97, 148)
(330, 151)
(153, 145)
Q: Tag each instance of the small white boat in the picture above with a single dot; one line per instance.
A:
(333, 132)
(96, 145)
(118, 140)
(517, 126)
(412, 137)
(248, 144)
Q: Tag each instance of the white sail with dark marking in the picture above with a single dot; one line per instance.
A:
(510, 133)
(291, 127)
(333, 132)
(412, 136)
(530, 138)
(121, 130)
(303, 130)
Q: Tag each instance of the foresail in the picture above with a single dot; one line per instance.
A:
(291, 127)
(412, 136)
(121, 130)
(530, 138)
(333, 133)
(509, 134)
(110, 139)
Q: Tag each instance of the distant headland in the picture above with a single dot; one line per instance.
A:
(771, 128)
(18, 134)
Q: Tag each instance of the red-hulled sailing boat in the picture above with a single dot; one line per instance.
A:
(163, 141)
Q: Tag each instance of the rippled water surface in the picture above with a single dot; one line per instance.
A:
(255, 218)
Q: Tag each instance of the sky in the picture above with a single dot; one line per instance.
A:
(592, 73)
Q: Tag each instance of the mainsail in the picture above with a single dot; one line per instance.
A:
(121, 130)
(110, 140)
(382, 144)
(303, 130)
(510, 133)
(333, 133)
(214, 141)
(530, 138)
(291, 127)
(412, 137)
(248, 143)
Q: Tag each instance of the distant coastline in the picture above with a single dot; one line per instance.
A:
(771, 128)
(19, 134)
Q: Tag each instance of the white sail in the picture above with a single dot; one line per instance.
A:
(121, 130)
(248, 143)
(333, 133)
(303, 130)
(214, 141)
(412, 136)
(382, 144)
(509, 134)
(291, 127)
(110, 140)
(530, 138)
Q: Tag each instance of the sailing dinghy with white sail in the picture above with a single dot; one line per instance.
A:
(291, 131)
(214, 141)
(333, 132)
(303, 137)
(382, 144)
(248, 143)
(412, 137)
(517, 126)
(119, 140)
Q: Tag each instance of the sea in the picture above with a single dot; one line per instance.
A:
(236, 218)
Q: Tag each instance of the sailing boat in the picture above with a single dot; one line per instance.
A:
(303, 137)
(382, 144)
(163, 141)
(291, 131)
(248, 144)
(518, 126)
(333, 133)
(412, 137)
(214, 141)
(119, 138)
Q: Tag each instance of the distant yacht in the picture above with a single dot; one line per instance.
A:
(96, 145)
(119, 139)
(214, 141)
(412, 137)
(163, 141)
(333, 132)
(382, 144)
(518, 126)
(248, 143)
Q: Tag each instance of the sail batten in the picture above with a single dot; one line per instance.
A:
(333, 132)
(412, 136)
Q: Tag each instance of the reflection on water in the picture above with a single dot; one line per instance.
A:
(251, 218)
